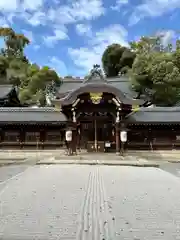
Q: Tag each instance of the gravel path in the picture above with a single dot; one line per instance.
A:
(91, 203)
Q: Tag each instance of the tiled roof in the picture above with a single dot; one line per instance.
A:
(105, 87)
(5, 90)
(121, 83)
(69, 85)
(27, 114)
(156, 114)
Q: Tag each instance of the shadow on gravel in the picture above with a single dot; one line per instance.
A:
(149, 155)
(24, 161)
(104, 164)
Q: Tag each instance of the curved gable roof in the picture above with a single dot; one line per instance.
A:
(95, 88)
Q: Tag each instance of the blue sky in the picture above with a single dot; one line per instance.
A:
(71, 35)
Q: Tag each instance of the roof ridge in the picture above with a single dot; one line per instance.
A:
(160, 109)
(27, 109)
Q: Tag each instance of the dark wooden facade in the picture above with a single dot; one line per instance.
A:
(96, 111)
(23, 127)
(148, 128)
(153, 136)
(42, 136)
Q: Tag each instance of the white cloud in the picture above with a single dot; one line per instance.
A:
(64, 14)
(59, 34)
(79, 10)
(3, 22)
(19, 6)
(8, 5)
(119, 4)
(85, 57)
(153, 8)
(35, 19)
(32, 4)
(86, 9)
(59, 66)
(83, 29)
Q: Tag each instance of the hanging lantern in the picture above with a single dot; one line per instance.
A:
(123, 136)
(68, 135)
(113, 132)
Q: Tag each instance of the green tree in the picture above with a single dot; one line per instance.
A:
(176, 55)
(14, 43)
(12, 59)
(36, 82)
(116, 57)
(16, 69)
(155, 71)
(4, 64)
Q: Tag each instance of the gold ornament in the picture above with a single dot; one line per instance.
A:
(96, 97)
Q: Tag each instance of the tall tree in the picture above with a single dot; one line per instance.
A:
(155, 72)
(14, 43)
(16, 69)
(115, 58)
(35, 84)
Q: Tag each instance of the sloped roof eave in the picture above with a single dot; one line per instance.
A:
(72, 95)
(155, 115)
(31, 115)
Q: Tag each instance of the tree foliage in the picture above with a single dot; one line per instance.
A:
(115, 58)
(16, 69)
(153, 68)
(156, 71)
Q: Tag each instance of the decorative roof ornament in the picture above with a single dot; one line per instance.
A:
(96, 74)
(96, 71)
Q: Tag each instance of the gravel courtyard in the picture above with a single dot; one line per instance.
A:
(90, 203)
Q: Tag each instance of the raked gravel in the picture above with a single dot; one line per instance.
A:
(90, 203)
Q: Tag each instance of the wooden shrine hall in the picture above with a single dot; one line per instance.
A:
(96, 110)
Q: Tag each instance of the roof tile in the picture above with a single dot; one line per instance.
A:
(27, 114)
(156, 115)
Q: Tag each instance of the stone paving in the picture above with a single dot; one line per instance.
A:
(23, 154)
(90, 203)
(96, 159)
(130, 158)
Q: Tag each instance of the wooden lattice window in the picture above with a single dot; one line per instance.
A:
(32, 136)
(53, 136)
(11, 136)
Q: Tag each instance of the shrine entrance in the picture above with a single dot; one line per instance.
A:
(96, 117)
(97, 133)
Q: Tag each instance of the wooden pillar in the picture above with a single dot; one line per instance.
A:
(22, 138)
(1, 137)
(74, 133)
(117, 139)
(74, 141)
(117, 132)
